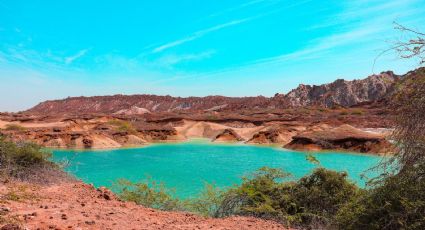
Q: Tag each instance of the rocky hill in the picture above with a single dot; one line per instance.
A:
(344, 93)
(338, 93)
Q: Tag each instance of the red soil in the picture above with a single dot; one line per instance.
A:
(79, 206)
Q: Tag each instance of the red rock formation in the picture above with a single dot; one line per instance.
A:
(275, 135)
(344, 137)
(339, 93)
(228, 135)
(344, 93)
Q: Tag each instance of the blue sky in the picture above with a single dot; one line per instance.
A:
(53, 49)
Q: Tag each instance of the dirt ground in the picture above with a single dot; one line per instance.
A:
(75, 205)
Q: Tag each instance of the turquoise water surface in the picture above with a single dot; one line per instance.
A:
(186, 166)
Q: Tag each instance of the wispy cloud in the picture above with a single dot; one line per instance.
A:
(355, 11)
(173, 59)
(198, 34)
(70, 59)
(201, 33)
(20, 57)
(364, 35)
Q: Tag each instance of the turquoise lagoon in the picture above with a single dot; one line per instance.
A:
(186, 166)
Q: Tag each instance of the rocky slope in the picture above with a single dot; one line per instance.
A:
(338, 93)
(344, 93)
(277, 127)
(74, 205)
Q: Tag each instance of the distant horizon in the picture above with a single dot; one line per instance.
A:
(202, 96)
(189, 48)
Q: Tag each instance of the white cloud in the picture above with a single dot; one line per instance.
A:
(172, 59)
(198, 34)
(70, 59)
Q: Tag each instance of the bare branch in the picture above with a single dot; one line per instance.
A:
(403, 28)
(412, 48)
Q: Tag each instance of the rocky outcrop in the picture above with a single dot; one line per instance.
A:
(134, 110)
(344, 137)
(258, 127)
(273, 136)
(228, 135)
(344, 93)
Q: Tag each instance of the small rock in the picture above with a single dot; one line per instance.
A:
(90, 222)
(4, 210)
(11, 227)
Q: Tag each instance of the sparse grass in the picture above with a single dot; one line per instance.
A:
(122, 126)
(14, 127)
(11, 219)
(211, 117)
(18, 193)
(357, 112)
(343, 112)
(322, 110)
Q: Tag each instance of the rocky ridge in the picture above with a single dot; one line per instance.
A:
(338, 93)
(344, 93)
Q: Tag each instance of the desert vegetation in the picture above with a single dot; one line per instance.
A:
(323, 199)
(27, 161)
(326, 199)
(122, 126)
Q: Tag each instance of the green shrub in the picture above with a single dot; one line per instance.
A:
(122, 126)
(207, 203)
(320, 195)
(399, 203)
(259, 195)
(18, 159)
(311, 201)
(148, 193)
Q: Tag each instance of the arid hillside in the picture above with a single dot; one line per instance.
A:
(297, 120)
(338, 93)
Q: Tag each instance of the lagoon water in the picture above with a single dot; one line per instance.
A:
(186, 166)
